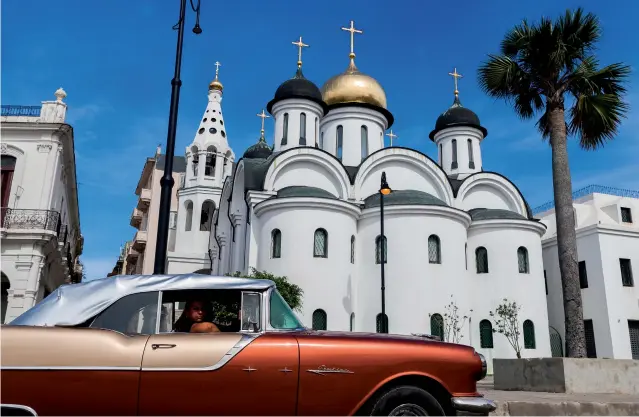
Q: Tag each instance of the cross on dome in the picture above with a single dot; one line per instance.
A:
(264, 116)
(455, 76)
(299, 45)
(392, 136)
(352, 31)
(216, 84)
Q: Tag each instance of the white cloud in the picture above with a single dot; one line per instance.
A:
(97, 268)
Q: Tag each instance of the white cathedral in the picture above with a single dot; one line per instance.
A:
(308, 208)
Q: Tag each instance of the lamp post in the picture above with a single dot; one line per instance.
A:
(167, 181)
(384, 189)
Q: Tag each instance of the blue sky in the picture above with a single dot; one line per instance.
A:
(115, 60)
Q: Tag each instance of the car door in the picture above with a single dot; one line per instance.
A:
(236, 373)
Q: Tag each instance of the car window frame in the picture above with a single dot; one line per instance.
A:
(268, 326)
(94, 318)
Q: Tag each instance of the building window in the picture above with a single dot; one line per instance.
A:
(211, 157)
(486, 334)
(529, 335)
(626, 215)
(453, 165)
(196, 159)
(434, 250)
(302, 128)
(321, 142)
(466, 255)
(339, 142)
(379, 250)
(633, 330)
(626, 273)
(545, 282)
(364, 140)
(441, 155)
(319, 319)
(591, 346)
(315, 133)
(352, 249)
(379, 323)
(8, 168)
(206, 216)
(189, 215)
(583, 275)
(352, 324)
(320, 244)
(522, 260)
(471, 157)
(285, 130)
(481, 260)
(437, 325)
(276, 243)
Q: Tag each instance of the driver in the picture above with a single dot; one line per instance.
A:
(195, 319)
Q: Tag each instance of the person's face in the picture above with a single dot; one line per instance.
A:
(196, 311)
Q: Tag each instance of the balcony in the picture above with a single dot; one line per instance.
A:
(139, 241)
(132, 256)
(136, 218)
(29, 219)
(144, 200)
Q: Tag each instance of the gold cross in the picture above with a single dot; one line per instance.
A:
(299, 45)
(455, 76)
(392, 136)
(353, 31)
(263, 116)
(217, 68)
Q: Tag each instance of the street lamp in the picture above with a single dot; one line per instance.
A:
(384, 190)
(167, 181)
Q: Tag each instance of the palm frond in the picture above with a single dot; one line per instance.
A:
(579, 32)
(596, 118)
(516, 40)
(588, 79)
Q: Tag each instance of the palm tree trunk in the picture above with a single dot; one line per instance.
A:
(566, 235)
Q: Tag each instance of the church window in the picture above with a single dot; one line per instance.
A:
(196, 159)
(319, 319)
(213, 119)
(434, 250)
(223, 133)
(321, 142)
(486, 334)
(437, 325)
(481, 260)
(522, 260)
(200, 131)
(529, 335)
(189, 215)
(364, 142)
(471, 158)
(352, 249)
(381, 323)
(206, 216)
(213, 130)
(205, 119)
(441, 155)
(222, 122)
(211, 157)
(378, 250)
(454, 163)
(276, 243)
(626, 215)
(352, 321)
(285, 130)
(315, 132)
(339, 142)
(320, 244)
(302, 128)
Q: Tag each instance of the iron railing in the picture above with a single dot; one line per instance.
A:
(30, 219)
(590, 189)
(12, 110)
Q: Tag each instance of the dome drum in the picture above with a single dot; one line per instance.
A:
(297, 87)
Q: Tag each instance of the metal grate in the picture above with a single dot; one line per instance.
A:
(522, 260)
(590, 189)
(11, 110)
(529, 335)
(486, 334)
(434, 250)
(276, 244)
(633, 329)
(626, 272)
(591, 346)
(319, 320)
(320, 247)
(626, 215)
(437, 325)
(481, 260)
(378, 250)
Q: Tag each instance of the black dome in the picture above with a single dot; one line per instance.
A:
(259, 150)
(457, 115)
(297, 87)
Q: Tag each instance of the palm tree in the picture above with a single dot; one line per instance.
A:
(543, 68)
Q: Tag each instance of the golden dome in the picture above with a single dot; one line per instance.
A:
(353, 86)
(216, 85)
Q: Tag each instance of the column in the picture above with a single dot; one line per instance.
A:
(33, 283)
(219, 165)
(189, 168)
(201, 166)
(238, 246)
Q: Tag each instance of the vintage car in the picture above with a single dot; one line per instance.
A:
(108, 347)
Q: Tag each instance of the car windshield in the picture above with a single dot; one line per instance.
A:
(282, 317)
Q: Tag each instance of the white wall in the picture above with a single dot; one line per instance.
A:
(294, 108)
(444, 142)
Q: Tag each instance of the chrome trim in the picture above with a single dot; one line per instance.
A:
(70, 368)
(158, 313)
(20, 407)
(243, 342)
(262, 308)
(323, 370)
(285, 370)
(249, 369)
(484, 366)
(473, 404)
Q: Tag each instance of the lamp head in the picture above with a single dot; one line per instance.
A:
(197, 29)
(384, 189)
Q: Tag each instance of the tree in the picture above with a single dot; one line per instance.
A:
(506, 317)
(452, 324)
(291, 293)
(540, 64)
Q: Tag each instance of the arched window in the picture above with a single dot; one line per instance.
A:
(206, 216)
(364, 142)
(284, 130)
(381, 253)
(339, 142)
(320, 244)
(381, 323)
(352, 249)
(319, 319)
(441, 155)
(352, 321)
(189, 215)
(196, 159)
(437, 325)
(434, 250)
(302, 128)
(481, 260)
(8, 168)
(321, 142)
(276, 243)
(529, 335)
(211, 156)
(453, 165)
(522, 260)
(486, 334)
(471, 158)
(315, 132)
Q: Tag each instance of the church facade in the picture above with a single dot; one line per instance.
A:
(309, 208)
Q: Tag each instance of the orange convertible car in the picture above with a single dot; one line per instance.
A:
(204, 345)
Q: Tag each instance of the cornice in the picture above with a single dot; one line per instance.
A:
(276, 204)
(419, 210)
(595, 229)
(501, 224)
